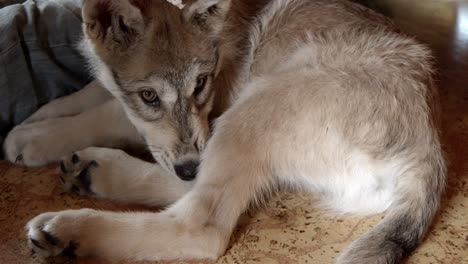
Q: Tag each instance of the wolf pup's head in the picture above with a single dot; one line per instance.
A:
(159, 61)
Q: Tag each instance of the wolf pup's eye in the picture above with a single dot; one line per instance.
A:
(201, 82)
(150, 97)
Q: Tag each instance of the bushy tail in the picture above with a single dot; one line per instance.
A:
(407, 220)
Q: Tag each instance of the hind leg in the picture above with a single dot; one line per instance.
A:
(90, 96)
(43, 142)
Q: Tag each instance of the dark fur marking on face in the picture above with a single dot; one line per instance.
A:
(215, 68)
(207, 96)
(181, 114)
(165, 162)
(176, 78)
(164, 159)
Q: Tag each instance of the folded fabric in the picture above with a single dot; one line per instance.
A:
(39, 60)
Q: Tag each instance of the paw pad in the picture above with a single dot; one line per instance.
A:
(77, 174)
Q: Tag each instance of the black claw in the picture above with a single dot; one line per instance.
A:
(75, 159)
(93, 163)
(62, 167)
(85, 179)
(85, 176)
(69, 251)
(51, 239)
(36, 243)
(19, 158)
(62, 179)
(75, 189)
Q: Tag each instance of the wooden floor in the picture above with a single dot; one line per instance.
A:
(292, 229)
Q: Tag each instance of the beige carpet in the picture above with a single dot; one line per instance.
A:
(289, 230)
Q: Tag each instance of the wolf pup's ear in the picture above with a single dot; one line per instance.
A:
(116, 23)
(208, 14)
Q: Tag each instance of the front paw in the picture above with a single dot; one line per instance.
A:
(92, 171)
(54, 234)
(37, 144)
(24, 146)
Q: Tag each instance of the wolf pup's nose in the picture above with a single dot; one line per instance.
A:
(187, 171)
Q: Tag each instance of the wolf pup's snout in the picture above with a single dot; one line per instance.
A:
(187, 171)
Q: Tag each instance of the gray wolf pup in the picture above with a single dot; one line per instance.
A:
(321, 95)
